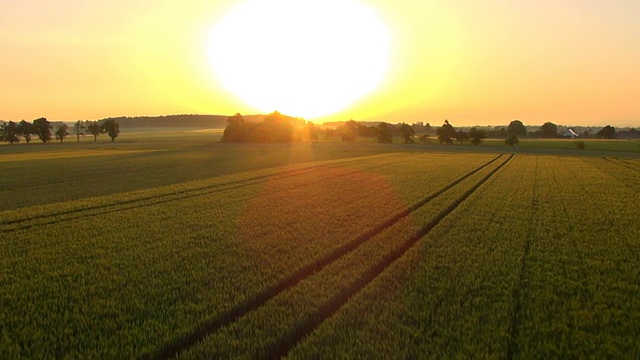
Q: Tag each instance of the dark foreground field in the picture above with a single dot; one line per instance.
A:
(161, 246)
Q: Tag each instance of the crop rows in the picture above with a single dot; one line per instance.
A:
(124, 283)
(273, 329)
(626, 173)
(18, 220)
(35, 182)
(399, 256)
(537, 273)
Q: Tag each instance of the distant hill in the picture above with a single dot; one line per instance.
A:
(180, 121)
(335, 124)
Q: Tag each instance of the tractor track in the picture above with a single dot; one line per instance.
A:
(182, 344)
(622, 163)
(331, 307)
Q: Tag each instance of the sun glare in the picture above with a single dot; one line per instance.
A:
(305, 58)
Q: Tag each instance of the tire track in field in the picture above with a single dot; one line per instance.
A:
(330, 308)
(608, 174)
(171, 196)
(233, 314)
(622, 163)
(516, 295)
(634, 165)
(630, 165)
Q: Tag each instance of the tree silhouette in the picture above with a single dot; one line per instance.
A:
(78, 129)
(94, 129)
(348, 137)
(384, 133)
(112, 128)
(276, 127)
(407, 133)
(461, 136)
(9, 132)
(350, 131)
(549, 130)
(446, 133)
(236, 130)
(476, 136)
(607, 132)
(512, 140)
(62, 132)
(43, 129)
(26, 129)
(516, 128)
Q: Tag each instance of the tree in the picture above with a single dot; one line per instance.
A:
(26, 129)
(461, 136)
(62, 132)
(607, 132)
(549, 130)
(350, 131)
(94, 129)
(112, 128)
(383, 133)
(476, 136)
(501, 133)
(236, 130)
(407, 133)
(43, 129)
(446, 133)
(427, 129)
(329, 134)
(9, 132)
(348, 137)
(311, 132)
(516, 128)
(78, 129)
(512, 140)
(277, 128)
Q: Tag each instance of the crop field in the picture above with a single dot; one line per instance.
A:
(317, 251)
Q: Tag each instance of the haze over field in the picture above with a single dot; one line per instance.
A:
(573, 62)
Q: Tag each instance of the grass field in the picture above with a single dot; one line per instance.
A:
(177, 246)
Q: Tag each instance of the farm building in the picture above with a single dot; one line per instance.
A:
(570, 134)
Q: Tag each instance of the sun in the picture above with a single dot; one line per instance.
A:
(306, 58)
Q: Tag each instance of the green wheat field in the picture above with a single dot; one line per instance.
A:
(174, 245)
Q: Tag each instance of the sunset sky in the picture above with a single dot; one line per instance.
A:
(574, 62)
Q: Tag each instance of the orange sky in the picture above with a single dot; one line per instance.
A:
(574, 62)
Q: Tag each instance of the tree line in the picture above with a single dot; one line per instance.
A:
(281, 128)
(548, 130)
(12, 132)
(277, 127)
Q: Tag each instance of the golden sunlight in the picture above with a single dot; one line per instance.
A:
(304, 58)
